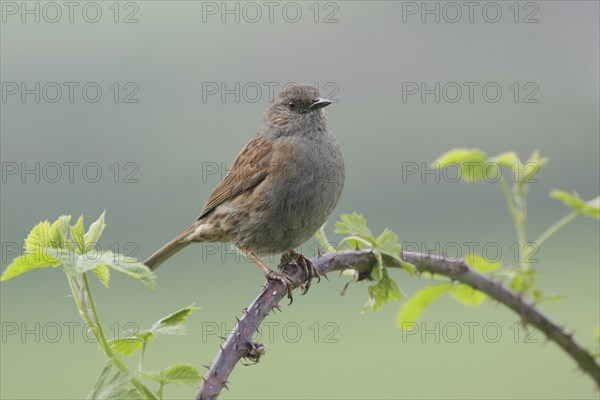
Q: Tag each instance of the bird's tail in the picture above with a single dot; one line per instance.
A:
(169, 249)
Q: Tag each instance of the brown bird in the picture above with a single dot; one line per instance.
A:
(282, 187)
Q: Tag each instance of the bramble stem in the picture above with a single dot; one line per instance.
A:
(239, 343)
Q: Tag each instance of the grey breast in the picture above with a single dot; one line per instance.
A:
(303, 196)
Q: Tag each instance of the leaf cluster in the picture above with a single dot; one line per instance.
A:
(77, 251)
(474, 165)
(52, 245)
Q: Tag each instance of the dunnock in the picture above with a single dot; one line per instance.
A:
(282, 186)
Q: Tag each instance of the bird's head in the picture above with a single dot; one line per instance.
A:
(297, 108)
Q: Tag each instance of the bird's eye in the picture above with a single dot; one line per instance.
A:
(292, 105)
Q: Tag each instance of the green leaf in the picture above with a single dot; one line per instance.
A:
(481, 264)
(127, 345)
(182, 374)
(508, 159)
(354, 242)
(408, 267)
(467, 295)
(27, 262)
(410, 311)
(94, 231)
(171, 324)
(536, 160)
(101, 262)
(77, 234)
(146, 336)
(73, 262)
(471, 163)
(354, 224)
(80, 263)
(522, 280)
(39, 237)
(102, 272)
(132, 269)
(388, 244)
(517, 283)
(530, 168)
(593, 208)
(60, 227)
(590, 208)
(460, 155)
(179, 374)
(382, 292)
(571, 200)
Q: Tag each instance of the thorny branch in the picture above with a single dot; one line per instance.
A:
(239, 343)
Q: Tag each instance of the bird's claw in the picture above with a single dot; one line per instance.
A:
(288, 284)
(308, 267)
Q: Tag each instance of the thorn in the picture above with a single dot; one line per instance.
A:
(222, 338)
(237, 319)
(225, 385)
(221, 346)
(245, 310)
(277, 307)
(207, 366)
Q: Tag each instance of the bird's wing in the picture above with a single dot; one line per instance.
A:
(250, 167)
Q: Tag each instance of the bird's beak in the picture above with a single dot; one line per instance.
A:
(319, 103)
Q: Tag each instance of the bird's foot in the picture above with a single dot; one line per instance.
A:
(308, 267)
(288, 284)
(271, 275)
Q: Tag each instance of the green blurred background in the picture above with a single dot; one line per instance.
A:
(176, 131)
